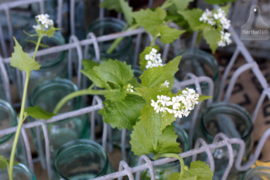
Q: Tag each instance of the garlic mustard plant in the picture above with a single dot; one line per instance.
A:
(149, 107)
(218, 17)
(154, 59)
(24, 62)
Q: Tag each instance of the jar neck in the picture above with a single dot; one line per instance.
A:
(230, 119)
(259, 172)
(6, 109)
(74, 151)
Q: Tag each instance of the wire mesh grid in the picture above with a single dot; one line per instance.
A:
(144, 162)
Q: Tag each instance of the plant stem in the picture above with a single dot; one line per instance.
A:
(76, 94)
(118, 40)
(38, 42)
(182, 163)
(11, 163)
(153, 40)
(85, 92)
(166, 5)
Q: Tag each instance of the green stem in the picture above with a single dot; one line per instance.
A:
(85, 92)
(182, 173)
(38, 42)
(166, 5)
(153, 40)
(118, 40)
(76, 94)
(11, 163)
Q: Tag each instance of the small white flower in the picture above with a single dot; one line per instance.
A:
(178, 114)
(154, 59)
(37, 27)
(166, 84)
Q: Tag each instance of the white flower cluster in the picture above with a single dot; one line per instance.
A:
(179, 105)
(225, 39)
(154, 59)
(219, 17)
(44, 21)
(130, 88)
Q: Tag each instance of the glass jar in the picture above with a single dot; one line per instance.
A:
(47, 95)
(2, 90)
(257, 173)
(164, 171)
(235, 122)
(52, 65)
(81, 159)
(8, 118)
(106, 26)
(20, 172)
(199, 63)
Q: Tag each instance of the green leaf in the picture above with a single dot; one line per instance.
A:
(22, 60)
(212, 37)
(201, 170)
(152, 123)
(50, 32)
(192, 17)
(38, 113)
(3, 162)
(158, 75)
(88, 64)
(111, 71)
(226, 8)
(167, 119)
(147, 50)
(111, 5)
(166, 141)
(218, 1)
(116, 94)
(123, 114)
(150, 20)
(40, 44)
(176, 176)
(134, 82)
(151, 93)
(127, 10)
(168, 35)
(202, 98)
(182, 5)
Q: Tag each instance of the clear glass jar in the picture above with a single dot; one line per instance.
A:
(81, 159)
(235, 122)
(164, 171)
(20, 172)
(47, 95)
(2, 90)
(52, 65)
(8, 118)
(199, 63)
(106, 26)
(257, 173)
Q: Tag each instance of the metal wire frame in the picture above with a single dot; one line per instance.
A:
(195, 80)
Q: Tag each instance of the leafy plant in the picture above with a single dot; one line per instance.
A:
(24, 62)
(149, 107)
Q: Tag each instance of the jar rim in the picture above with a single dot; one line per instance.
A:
(54, 82)
(114, 22)
(227, 106)
(15, 123)
(200, 52)
(60, 39)
(75, 144)
(21, 166)
(249, 172)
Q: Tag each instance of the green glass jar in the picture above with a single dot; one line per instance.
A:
(235, 122)
(81, 159)
(106, 26)
(257, 173)
(164, 171)
(8, 118)
(52, 65)
(20, 172)
(47, 95)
